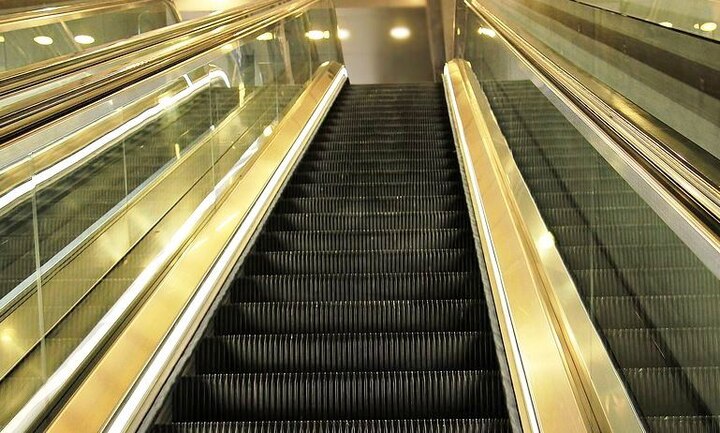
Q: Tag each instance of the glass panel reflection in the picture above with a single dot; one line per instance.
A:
(24, 43)
(95, 221)
(654, 303)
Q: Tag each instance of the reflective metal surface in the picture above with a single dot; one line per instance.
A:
(189, 286)
(110, 204)
(634, 270)
(549, 400)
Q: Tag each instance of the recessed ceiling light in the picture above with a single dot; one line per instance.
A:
(266, 37)
(666, 24)
(43, 40)
(708, 27)
(84, 39)
(2, 39)
(696, 26)
(487, 32)
(400, 32)
(316, 35)
(343, 34)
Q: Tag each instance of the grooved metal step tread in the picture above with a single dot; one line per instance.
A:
(455, 315)
(321, 396)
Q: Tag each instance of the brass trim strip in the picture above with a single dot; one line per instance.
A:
(120, 384)
(607, 394)
(548, 397)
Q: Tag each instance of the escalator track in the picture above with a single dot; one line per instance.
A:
(361, 306)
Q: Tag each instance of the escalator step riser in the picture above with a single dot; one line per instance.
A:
(359, 262)
(339, 396)
(384, 128)
(294, 353)
(346, 426)
(610, 217)
(610, 282)
(587, 202)
(684, 424)
(414, 189)
(377, 156)
(377, 176)
(308, 205)
(369, 241)
(363, 144)
(621, 236)
(409, 136)
(369, 165)
(632, 257)
(662, 311)
(640, 348)
(357, 287)
(368, 221)
(352, 316)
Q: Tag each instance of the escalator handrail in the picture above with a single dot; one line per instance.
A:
(21, 79)
(79, 9)
(21, 119)
(694, 194)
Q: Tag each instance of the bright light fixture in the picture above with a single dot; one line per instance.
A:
(343, 34)
(267, 36)
(708, 27)
(667, 24)
(316, 35)
(400, 32)
(43, 40)
(2, 39)
(487, 32)
(84, 39)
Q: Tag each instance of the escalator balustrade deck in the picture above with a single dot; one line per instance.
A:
(655, 304)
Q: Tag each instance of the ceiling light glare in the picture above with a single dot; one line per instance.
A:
(316, 35)
(343, 34)
(400, 33)
(487, 32)
(84, 39)
(2, 39)
(667, 24)
(708, 27)
(267, 36)
(43, 40)
(696, 26)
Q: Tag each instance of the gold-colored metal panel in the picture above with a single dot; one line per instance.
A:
(549, 398)
(103, 390)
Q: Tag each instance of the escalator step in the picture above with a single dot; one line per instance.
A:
(347, 176)
(377, 156)
(365, 241)
(673, 391)
(343, 262)
(288, 353)
(691, 347)
(684, 424)
(345, 426)
(416, 163)
(681, 311)
(346, 396)
(413, 189)
(428, 203)
(368, 221)
(356, 287)
(352, 316)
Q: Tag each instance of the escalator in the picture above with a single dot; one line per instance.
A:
(361, 306)
(657, 309)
